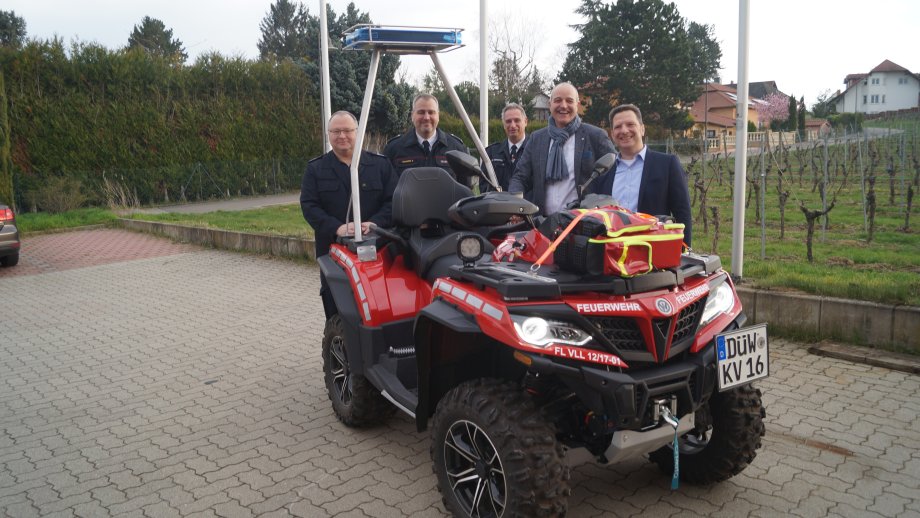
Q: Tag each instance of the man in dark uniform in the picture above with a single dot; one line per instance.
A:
(325, 192)
(424, 145)
(504, 154)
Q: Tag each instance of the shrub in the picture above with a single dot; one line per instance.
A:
(58, 194)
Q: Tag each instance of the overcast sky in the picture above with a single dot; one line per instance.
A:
(805, 46)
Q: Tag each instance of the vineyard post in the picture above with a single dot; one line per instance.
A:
(763, 200)
(824, 194)
(862, 182)
(903, 169)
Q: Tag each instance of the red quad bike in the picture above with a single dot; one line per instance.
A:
(522, 369)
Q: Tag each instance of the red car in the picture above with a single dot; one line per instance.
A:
(9, 237)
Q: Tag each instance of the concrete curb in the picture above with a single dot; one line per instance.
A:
(226, 239)
(850, 321)
(886, 359)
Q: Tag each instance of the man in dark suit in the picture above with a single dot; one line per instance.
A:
(504, 154)
(561, 156)
(325, 192)
(644, 180)
(424, 145)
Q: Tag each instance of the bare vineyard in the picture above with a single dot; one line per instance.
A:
(842, 200)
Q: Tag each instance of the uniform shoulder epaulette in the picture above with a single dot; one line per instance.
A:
(458, 139)
(374, 153)
(317, 158)
(394, 139)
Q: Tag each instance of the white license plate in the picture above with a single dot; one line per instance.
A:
(742, 356)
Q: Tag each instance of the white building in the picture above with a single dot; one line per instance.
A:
(887, 87)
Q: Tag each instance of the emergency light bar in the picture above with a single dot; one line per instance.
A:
(399, 39)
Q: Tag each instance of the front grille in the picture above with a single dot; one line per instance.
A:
(622, 332)
(688, 320)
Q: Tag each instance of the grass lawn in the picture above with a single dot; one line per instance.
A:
(282, 220)
(31, 222)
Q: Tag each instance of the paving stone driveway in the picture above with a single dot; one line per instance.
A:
(187, 382)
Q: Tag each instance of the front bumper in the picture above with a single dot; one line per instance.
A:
(626, 399)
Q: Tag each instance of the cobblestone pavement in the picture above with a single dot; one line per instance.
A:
(188, 383)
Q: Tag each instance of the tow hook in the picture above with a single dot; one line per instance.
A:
(668, 417)
(659, 406)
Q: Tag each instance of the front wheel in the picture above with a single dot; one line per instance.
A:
(725, 440)
(494, 455)
(355, 401)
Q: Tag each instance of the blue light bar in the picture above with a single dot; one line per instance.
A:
(402, 39)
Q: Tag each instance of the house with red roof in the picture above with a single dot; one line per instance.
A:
(716, 110)
(887, 87)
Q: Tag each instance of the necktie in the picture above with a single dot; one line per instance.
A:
(427, 147)
(513, 153)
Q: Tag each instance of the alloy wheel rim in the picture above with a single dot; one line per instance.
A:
(474, 470)
(341, 376)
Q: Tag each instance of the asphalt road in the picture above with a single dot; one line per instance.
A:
(139, 377)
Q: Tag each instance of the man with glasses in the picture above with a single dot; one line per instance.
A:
(325, 192)
(425, 145)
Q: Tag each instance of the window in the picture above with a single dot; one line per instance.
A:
(883, 98)
(864, 99)
(902, 80)
(875, 99)
(875, 80)
(710, 133)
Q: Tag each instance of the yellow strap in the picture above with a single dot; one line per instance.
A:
(622, 260)
(632, 240)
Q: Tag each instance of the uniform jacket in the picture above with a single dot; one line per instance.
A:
(404, 151)
(662, 190)
(529, 176)
(325, 194)
(501, 162)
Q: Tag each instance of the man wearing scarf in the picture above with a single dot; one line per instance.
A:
(561, 156)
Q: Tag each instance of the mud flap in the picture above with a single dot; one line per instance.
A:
(347, 307)
(438, 314)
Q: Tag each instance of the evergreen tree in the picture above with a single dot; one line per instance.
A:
(793, 120)
(12, 29)
(154, 38)
(640, 52)
(348, 69)
(6, 164)
(284, 32)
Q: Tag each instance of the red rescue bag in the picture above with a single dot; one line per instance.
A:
(617, 241)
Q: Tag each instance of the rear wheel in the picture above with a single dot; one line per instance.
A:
(494, 455)
(355, 401)
(725, 440)
(10, 260)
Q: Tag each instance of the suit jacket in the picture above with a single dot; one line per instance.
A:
(529, 176)
(500, 157)
(662, 190)
(325, 193)
(404, 151)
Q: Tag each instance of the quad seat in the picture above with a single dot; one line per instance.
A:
(420, 203)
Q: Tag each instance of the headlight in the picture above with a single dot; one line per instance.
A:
(469, 249)
(721, 299)
(540, 332)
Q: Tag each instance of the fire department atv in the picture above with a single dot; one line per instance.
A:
(515, 365)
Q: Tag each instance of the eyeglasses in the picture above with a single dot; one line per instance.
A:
(342, 132)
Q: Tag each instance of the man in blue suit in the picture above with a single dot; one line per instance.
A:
(561, 156)
(644, 180)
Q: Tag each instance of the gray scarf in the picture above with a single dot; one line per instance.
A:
(555, 162)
